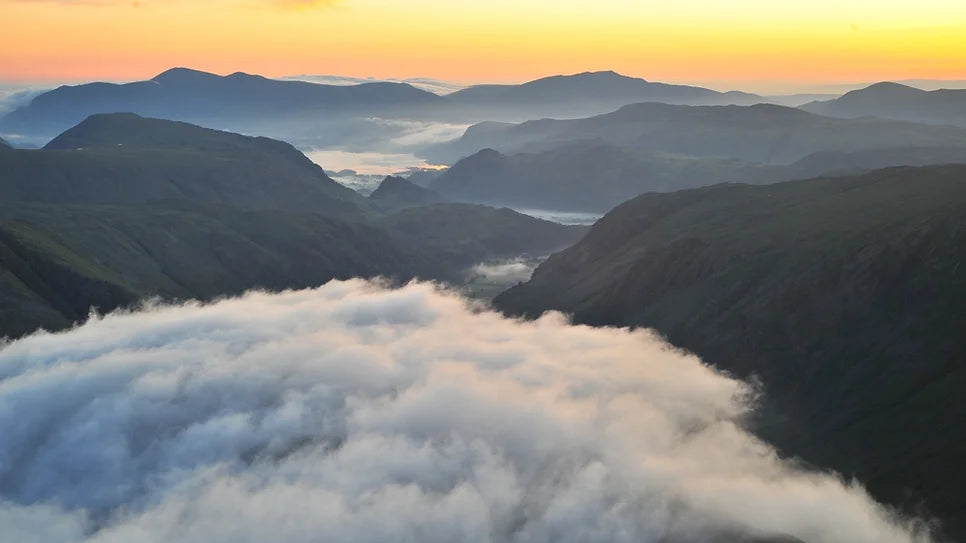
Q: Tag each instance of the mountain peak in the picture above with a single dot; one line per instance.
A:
(129, 129)
(244, 76)
(889, 100)
(887, 88)
(888, 85)
(596, 76)
(179, 74)
(397, 192)
(602, 73)
(488, 153)
(390, 182)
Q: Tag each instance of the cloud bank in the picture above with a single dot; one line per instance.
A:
(353, 412)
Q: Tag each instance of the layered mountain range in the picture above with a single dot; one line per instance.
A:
(762, 133)
(593, 176)
(243, 100)
(121, 207)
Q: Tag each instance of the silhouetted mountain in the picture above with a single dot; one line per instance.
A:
(900, 102)
(4, 144)
(595, 177)
(257, 104)
(761, 133)
(585, 94)
(843, 295)
(122, 207)
(397, 193)
(204, 98)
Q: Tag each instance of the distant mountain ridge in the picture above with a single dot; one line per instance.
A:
(600, 88)
(589, 176)
(592, 176)
(581, 95)
(762, 133)
(896, 101)
(201, 97)
(240, 100)
(123, 207)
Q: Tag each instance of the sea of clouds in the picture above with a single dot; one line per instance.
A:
(357, 412)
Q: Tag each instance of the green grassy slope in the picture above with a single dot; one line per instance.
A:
(44, 283)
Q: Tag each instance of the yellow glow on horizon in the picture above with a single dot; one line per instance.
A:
(474, 40)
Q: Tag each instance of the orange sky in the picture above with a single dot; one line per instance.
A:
(737, 43)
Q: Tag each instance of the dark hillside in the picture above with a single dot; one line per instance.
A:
(843, 295)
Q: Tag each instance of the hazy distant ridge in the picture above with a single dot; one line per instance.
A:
(764, 133)
(200, 97)
(900, 102)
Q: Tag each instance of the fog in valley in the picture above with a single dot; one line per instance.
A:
(362, 413)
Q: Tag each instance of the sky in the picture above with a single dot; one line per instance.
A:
(738, 44)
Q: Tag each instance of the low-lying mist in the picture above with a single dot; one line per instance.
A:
(561, 217)
(508, 271)
(356, 412)
(374, 148)
(488, 279)
(14, 96)
(379, 145)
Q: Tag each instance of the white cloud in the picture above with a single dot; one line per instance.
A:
(356, 413)
(416, 134)
(505, 272)
(14, 96)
